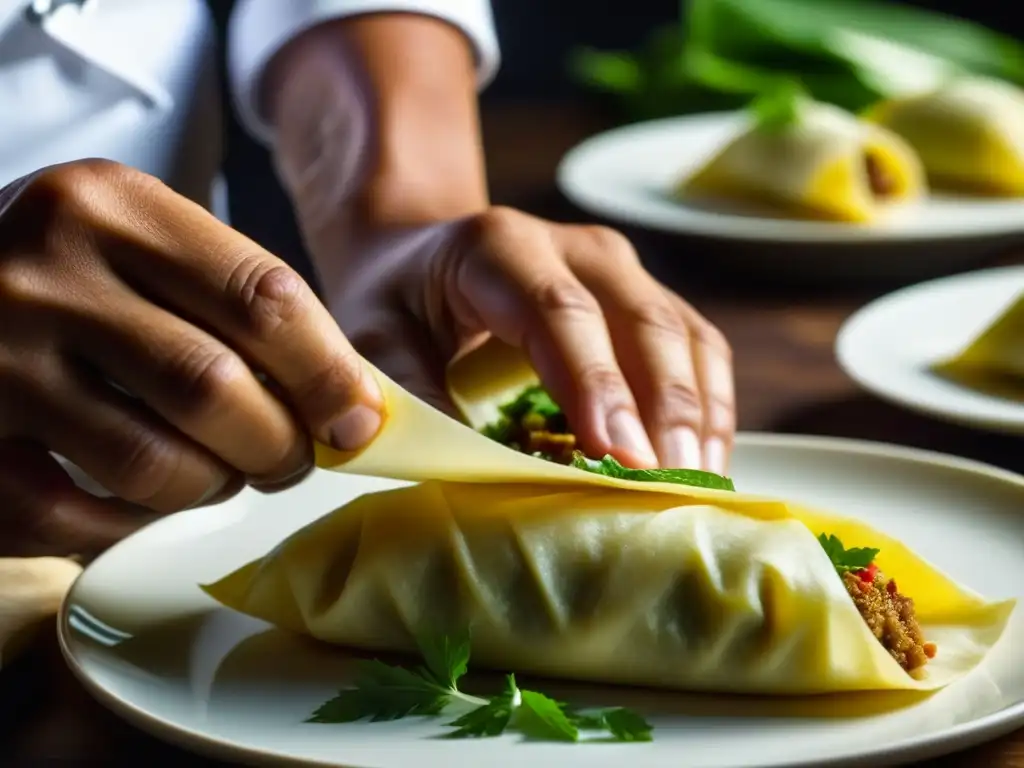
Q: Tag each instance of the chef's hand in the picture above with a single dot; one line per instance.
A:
(379, 145)
(132, 325)
(640, 373)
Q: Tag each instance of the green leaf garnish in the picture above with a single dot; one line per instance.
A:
(533, 399)
(846, 559)
(780, 107)
(383, 692)
(447, 658)
(490, 719)
(626, 725)
(542, 718)
(609, 467)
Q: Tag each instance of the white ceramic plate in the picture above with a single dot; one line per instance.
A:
(887, 346)
(628, 173)
(150, 645)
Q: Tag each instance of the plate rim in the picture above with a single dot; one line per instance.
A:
(960, 737)
(843, 343)
(802, 232)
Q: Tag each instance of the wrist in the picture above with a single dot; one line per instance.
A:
(377, 130)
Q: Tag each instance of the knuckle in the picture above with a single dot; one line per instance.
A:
(659, 316)
(499, 219)
(679, 402)
(564, 295)
(606, 382)
(206, 375)
(75, 184)
(271, 295)
(721, 418)
(61, 210)
(146, 467)
(492, 231)
(714, 338)
(609, 242)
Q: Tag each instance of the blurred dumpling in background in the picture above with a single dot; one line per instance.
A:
(813, 161)
(993, 362)
(969, 134)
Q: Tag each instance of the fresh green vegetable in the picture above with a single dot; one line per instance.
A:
(609, 467)
(846, 559)
(780, 107)
(384, 692)
(851, 53)
(532, 401)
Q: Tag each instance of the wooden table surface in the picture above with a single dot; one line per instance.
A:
(787, 381)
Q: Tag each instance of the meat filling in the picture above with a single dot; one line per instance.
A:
(880, 182)
(553, 446)
(890, 617)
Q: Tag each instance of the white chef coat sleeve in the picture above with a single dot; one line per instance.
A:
(258, 29)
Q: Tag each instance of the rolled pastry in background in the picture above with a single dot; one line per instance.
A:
(969, 134)
(823, 163)
(993, 361)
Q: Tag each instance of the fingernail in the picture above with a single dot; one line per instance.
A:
(626, 432)
(219, 483)
(681, 449)
(714, 456)
(355, 428)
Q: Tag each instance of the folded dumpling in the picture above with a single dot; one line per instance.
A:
(994, 360)
(969, 134)
(822, 163)
(570, 573)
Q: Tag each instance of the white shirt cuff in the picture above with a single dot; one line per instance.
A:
(258, 29)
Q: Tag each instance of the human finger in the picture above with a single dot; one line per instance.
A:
(516, 280)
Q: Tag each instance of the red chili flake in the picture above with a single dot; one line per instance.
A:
(867, 575)
(891, 587)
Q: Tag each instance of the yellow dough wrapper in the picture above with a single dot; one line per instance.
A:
(826, 164)
(571, 574)
(994, 360)
(969, 134)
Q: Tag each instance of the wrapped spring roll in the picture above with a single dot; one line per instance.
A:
(969, 134)
(820, 162)
(578, 574)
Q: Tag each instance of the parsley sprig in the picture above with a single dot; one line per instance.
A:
(384, 692)
(843, 559)
(609, 467)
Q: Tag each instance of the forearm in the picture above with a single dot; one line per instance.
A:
(377, 130)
